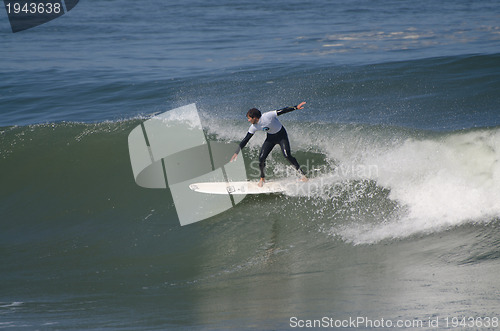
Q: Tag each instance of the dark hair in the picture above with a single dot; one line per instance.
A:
(254, 113)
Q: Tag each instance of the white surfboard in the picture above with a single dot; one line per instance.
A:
(237, 187)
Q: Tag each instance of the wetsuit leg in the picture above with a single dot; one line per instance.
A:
(267, 147)
(285, 148)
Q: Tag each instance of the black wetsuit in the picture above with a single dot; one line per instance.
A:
(276, 134)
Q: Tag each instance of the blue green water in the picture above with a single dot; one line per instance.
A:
(406, 90)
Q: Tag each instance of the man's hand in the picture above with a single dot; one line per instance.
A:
(301, 105)
(233, 158)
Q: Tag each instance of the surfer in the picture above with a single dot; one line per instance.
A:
(276, 134)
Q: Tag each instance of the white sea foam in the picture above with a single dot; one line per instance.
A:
(442, 183)
(187, 114)
(13, 304)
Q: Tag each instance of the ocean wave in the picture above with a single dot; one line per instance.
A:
(368, 183)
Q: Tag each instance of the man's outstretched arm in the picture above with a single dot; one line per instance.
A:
(289, 109)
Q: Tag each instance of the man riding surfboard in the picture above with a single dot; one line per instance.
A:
(276, 134)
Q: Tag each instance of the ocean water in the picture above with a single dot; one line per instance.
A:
(400, 135)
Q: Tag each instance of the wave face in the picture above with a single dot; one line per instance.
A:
(368, 183)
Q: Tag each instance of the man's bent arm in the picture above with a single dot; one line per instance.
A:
(241, 145)
(244, 142)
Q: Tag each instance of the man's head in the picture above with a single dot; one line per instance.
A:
(254, 115)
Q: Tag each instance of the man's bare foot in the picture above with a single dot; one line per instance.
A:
(261, 182)
(304, 179)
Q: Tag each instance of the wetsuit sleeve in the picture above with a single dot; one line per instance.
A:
(285, 110)
(244, 142)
